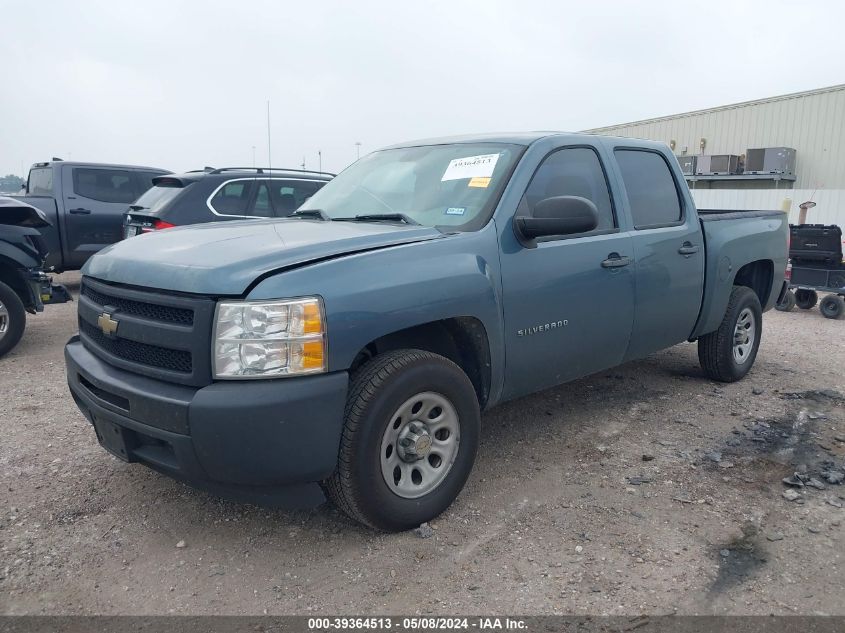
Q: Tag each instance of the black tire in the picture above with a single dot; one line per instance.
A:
(832, 307)
(806, 299)
(788, 302)
(13, 319)
(716, 349)
(377, 391)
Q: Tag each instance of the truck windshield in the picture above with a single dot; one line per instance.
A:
(451, 186)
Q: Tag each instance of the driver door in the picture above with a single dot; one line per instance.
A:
(568, 300)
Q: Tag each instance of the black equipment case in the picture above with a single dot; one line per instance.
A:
(815, 243)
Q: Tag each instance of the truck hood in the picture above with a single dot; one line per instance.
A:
(224, 258)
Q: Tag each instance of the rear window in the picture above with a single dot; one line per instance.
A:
(155, 199)
(40, 182)
(233, 198)
(145, 179)
(651, 188)
(104, 185)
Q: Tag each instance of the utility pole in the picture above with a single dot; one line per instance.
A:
(303, 162)
(357, 150)
(320, 160)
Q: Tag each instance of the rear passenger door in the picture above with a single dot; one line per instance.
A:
(669, 252)
(95, 199)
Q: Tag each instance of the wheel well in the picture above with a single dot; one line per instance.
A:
(10, 276)
(757, 276)
(463, 340)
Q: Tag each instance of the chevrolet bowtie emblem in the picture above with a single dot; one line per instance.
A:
(107, 324)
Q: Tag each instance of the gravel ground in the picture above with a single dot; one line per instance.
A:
(645, 489)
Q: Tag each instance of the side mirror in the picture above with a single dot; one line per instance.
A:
(560, 215)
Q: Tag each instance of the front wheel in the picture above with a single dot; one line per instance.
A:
(728, 353)
(12, 319)
(409, 440)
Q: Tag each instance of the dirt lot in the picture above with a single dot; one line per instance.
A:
(645, 489)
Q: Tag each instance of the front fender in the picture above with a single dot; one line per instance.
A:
(369, 295)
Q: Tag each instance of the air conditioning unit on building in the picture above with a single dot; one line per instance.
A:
(724, 164)
(717, 165)
(770, 160)
(687, 164)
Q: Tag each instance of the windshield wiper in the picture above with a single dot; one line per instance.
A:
(378, 217)
(137, 207)
(311, 213)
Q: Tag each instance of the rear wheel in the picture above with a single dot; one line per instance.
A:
(806, 299)
(12, 319)
(729, 353)
(788, 302)
(832, 307)
(409, 440)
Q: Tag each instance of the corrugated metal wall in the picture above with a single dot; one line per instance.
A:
(812, 122)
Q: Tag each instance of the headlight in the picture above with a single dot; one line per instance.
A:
(269, 339)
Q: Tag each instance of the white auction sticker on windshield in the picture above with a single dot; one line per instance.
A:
(471, 167)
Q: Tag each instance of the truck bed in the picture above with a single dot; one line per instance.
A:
(732, 236)
(715, 215)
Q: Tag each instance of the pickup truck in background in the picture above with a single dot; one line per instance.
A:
(84, 203)
(350, 348)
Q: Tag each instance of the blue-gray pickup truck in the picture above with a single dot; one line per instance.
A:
(349, 349)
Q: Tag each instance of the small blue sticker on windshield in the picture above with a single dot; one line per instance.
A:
(455, 210)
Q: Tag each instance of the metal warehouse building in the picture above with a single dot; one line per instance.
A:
(713, 146)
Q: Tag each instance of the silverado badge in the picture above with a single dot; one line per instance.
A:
(107, 324)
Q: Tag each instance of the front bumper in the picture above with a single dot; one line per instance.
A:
(263, 441)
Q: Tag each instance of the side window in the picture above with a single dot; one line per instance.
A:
(575, 171)
(104, 185)
(289, 195)
(262, 207)
(651, 188)
(145, 179)
(233, 198)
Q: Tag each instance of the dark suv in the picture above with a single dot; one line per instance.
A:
(212, 195)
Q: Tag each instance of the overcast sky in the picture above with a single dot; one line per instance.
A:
(181, 85)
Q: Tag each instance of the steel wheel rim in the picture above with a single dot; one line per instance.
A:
(744, 333)
(420, 445)
(4, 320)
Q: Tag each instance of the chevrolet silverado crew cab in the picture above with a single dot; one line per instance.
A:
(349, 349)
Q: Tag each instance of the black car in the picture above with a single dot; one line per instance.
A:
(212, 195)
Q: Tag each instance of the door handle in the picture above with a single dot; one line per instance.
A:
(80, 211)
(687, 248)
(615, 261)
